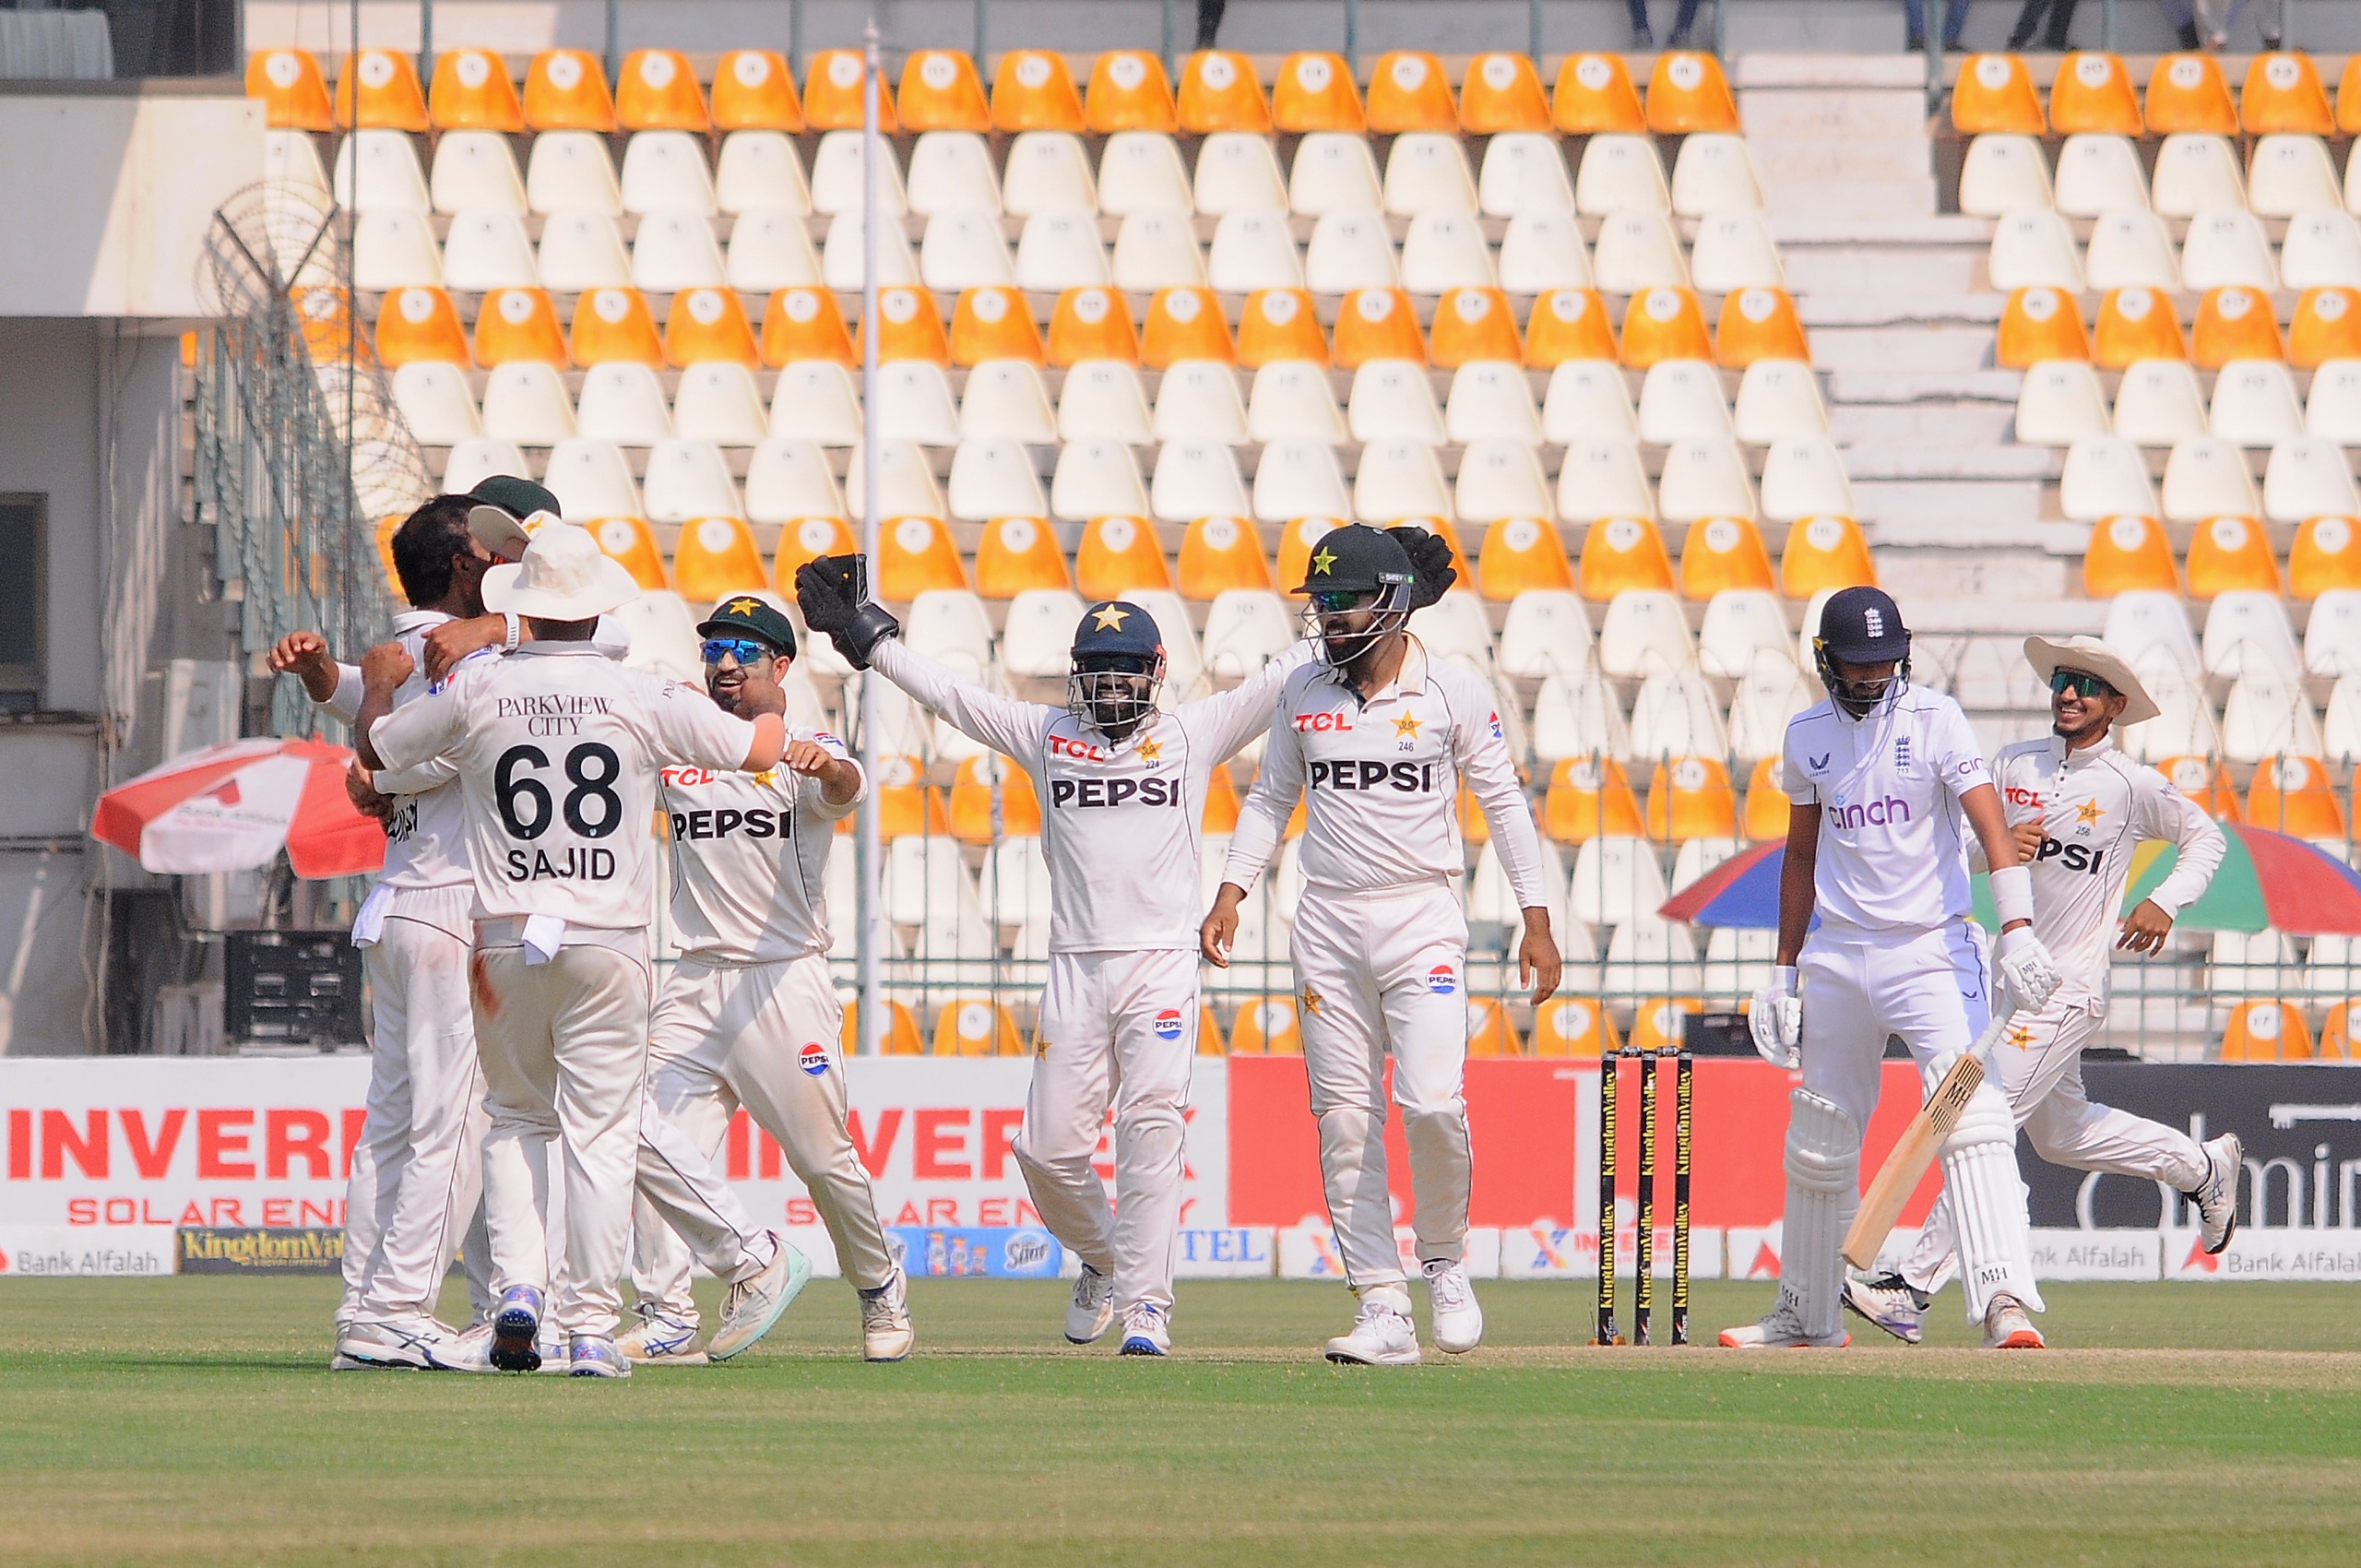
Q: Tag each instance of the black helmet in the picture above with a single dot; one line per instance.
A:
(1118, 667)
(1862, 625)
(1352, 569)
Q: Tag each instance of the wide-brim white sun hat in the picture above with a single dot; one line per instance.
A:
(564, 576)
(2086, 654)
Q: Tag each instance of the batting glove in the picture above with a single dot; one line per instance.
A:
(2027, 968)
(1431, 573)
(1776, 1019)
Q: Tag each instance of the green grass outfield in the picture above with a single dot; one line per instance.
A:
(194, 1420)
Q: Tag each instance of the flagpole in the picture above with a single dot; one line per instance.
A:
(871, 912)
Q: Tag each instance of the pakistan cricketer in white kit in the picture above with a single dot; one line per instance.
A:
(2078, 807)
(1124, 784)
(557, 750)
(1887, 782)
(748, 1016)
(1376, 739)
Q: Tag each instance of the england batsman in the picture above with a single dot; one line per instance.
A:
(557, 750)
(2080, 807)
(1376, 739)
(1877, 938)
(748, 1016)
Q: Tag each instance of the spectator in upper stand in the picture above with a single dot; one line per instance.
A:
(2061, 21)
(1209, 21)
(2214, 19)
(1914, 14)
(2184, 19)
(1644, 36)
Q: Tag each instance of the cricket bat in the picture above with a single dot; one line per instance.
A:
(1881, 1205)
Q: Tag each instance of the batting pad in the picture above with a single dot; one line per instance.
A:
(1824, 1189)
(1988, 1204)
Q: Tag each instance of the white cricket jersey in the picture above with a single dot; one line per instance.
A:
(1893, 845)
(2095, 806)
(557, 749)
(426, 835)
(1381, 781)
(750, 858)
(1122, 826)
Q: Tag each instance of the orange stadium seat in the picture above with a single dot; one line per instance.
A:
(1209, 1041)
(1184, 324)
(1590, 798)
(2187, 92)
(708, 324)
(1766, 804)
(294, 94)
(326, 314)
(1502, 92)
(657, 90)
(1017, 553)
(1473, 326)
(1568, 324)
(565, 89)
(2207, 783)
(994, 322)
(2348, 98)
(2267, 1030)
(1759, 324)
(911, 329)
(1824, 552)
(1691, 798)
(517, 326)
(1520, 554)
(1221, 803)
(416, 324)
(1276, 325)
(2326, 325)
(1221, 554)
(2128, 554)
(1295, 547)
(1489, 1032)
(1267, 1026)
(1377, 324)
(2135, 324)
(2093, 93)
(390, 97)
(2283, 93)
(1593, 95)
(2230, 555)
(631, 543)
(471, 92)
(2292, 795)
(1576, 1027)
(976, 1026)
(1995, 92)
(904, 806)
(1032, 91)
(754, 91)
(1128, 92)
(915, 554)
(717, 556)
(1688, 92)
(2038, 325)
(2233, 324)
(1314, 92)
(1407, 92)
(901, 1034)
(612, 325)
(1474, 827)
(808, 539)
(1441, 528)
(972, 802)
(1118, 554)
(833, 93)
(1218, 92)
(1656, 1022)
(2339, 1029)
(1619, 555)
(802, 325)
(1723, 554)
(1665, 324)
(2324, 557)
(1092, 323)
(941, 91)
(386, 527)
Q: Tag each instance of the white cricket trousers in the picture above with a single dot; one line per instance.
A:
(2040, 1069)
(418, 1169)
(1385, 973)
(565, 1048)
(723, 1036)
(1119, 1029)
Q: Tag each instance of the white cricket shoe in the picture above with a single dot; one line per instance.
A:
(885, 1331)
(1781, 1329)
(2217, 1195)
(657, 1340)
(1147, 1331)
(1092, 1309)
(419, 1346)
(1382, 1333)
(2006, 1326)
(1890, 1303)
(592, 1356)
(516, 1330)
(755, 1304)
(1458, 1320)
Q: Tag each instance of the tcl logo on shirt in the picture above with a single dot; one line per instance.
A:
(683, 777)
(1060, 746)
(2020, 796)
(1322, 723)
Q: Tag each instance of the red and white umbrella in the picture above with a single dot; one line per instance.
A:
(235, 807)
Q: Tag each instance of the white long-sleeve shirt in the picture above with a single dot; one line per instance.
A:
(1122, 826)
(2095, 805)
(426, 835)
(1381, 782)
(750, 858)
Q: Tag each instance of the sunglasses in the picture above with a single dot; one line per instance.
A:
(2081, 685)
(1336, 603)
(747, 651)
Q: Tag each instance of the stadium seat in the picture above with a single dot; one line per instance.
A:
(2094, 92)
(1619, 554)
(1723, 555)
(1096, 478)
(1996, 93)
(1376, 323)
(1589, 798)
(1473, 326)
(1184, 324)
(2248, 634)
(839, 176)
(2058, 403)
(2187, 92)
(1491, 398)
(1128, 92)
(1802, 477)
(2156, 403)
(2332, 637)
(708, 325)
(1018, 554)
(1704, 478)
(293, 92)
(394, 248)
(2292, 795)
(951, 172)
(841, 256)
(1541, 251)
(1576, 1028)
(2129, 554)
(434, 402)
(2184, 723)
(1300, 479)
(2267, 1030)
(2323, 560)
(2291, 174)
(656, 90)
(2099, 173)
(1295, 544)
(1662, 324)
(1822, 553)
(2197, 172)
(1571, 324)
(1251, 253)
(1621, 174)
(993, 477)
(715, 557)
(1198, 401)
(1691, 798)
(814, 400)
(1059, 251)
(1688, 92)
(2322, 255)
(590, 480)
(379, 169)
(570, 171)
(2254, 404)
(834, 87)
(1586, 400)
(1544, 633)
(769, 250)
(2333, 409)
(800, 539)
(1428, 173)
(1090, 324)
(1602, 478)
(753, 90)
(1195, 479)
(474, 169)
(1047, 172)
(1237, 172)
(912, 403)
(1118, 553)
(2205, 476)
(1524, 174)
(1391, 400)
(1349, 252)
(1577, 713)
(1443, 251)
(1497, 479)
(1638, 252)
(2003, 173)
(614, 326)
(1032, 91)
(1291, 400)
(1680, 399)
(2150, 629)
(2129, 248)
(941, 91)
(525, 401)
(511, 324)
(972, 790)
(584, 251)
(1743, 626)
(1266, 1026)
(1759, 324)
(975, 1026)
(2135, 324)
(991, 325)
(1220, 554)
(2230, 554)
(1766, 804)
(2283, 92)
(1245, 628)
(1102, 401)
(1712, 174)
(905, 487)
(1676, 714)
(2226, 247)
(2031, 248)
(565, 89)
(2233, 324)
(621, 402)
(687, 479)
(1314, 92)
(1140, 171)
(389, 97)
(1643, 632)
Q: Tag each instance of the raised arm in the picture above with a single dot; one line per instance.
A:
(1226, 721)
(1003, 723)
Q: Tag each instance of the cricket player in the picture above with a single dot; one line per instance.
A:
(557, 750)
(506, 512)
(748, 1016)
(1125, 785)
(418, 1172)
(2079, 808)
(1376, 738)
(1885, 783)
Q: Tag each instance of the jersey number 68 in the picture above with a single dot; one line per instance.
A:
(592, 808)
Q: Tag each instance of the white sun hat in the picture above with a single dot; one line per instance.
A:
(564, 576)
(2090, 656)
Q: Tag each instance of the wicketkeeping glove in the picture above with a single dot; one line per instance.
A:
(823, 591)
(2027, 968)
(1776, 1019)
(1433, 573)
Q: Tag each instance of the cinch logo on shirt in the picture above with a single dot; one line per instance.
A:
(1322, 723)
(756, 824)
(2077, 857)
(1406, 777)
(1114, 791)
(1892, 811)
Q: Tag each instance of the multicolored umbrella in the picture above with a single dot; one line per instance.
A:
(235, 807)
(1741, 891)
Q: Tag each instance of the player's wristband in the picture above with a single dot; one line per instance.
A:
(2013, 894)
(515, 633)
(1783, 978)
